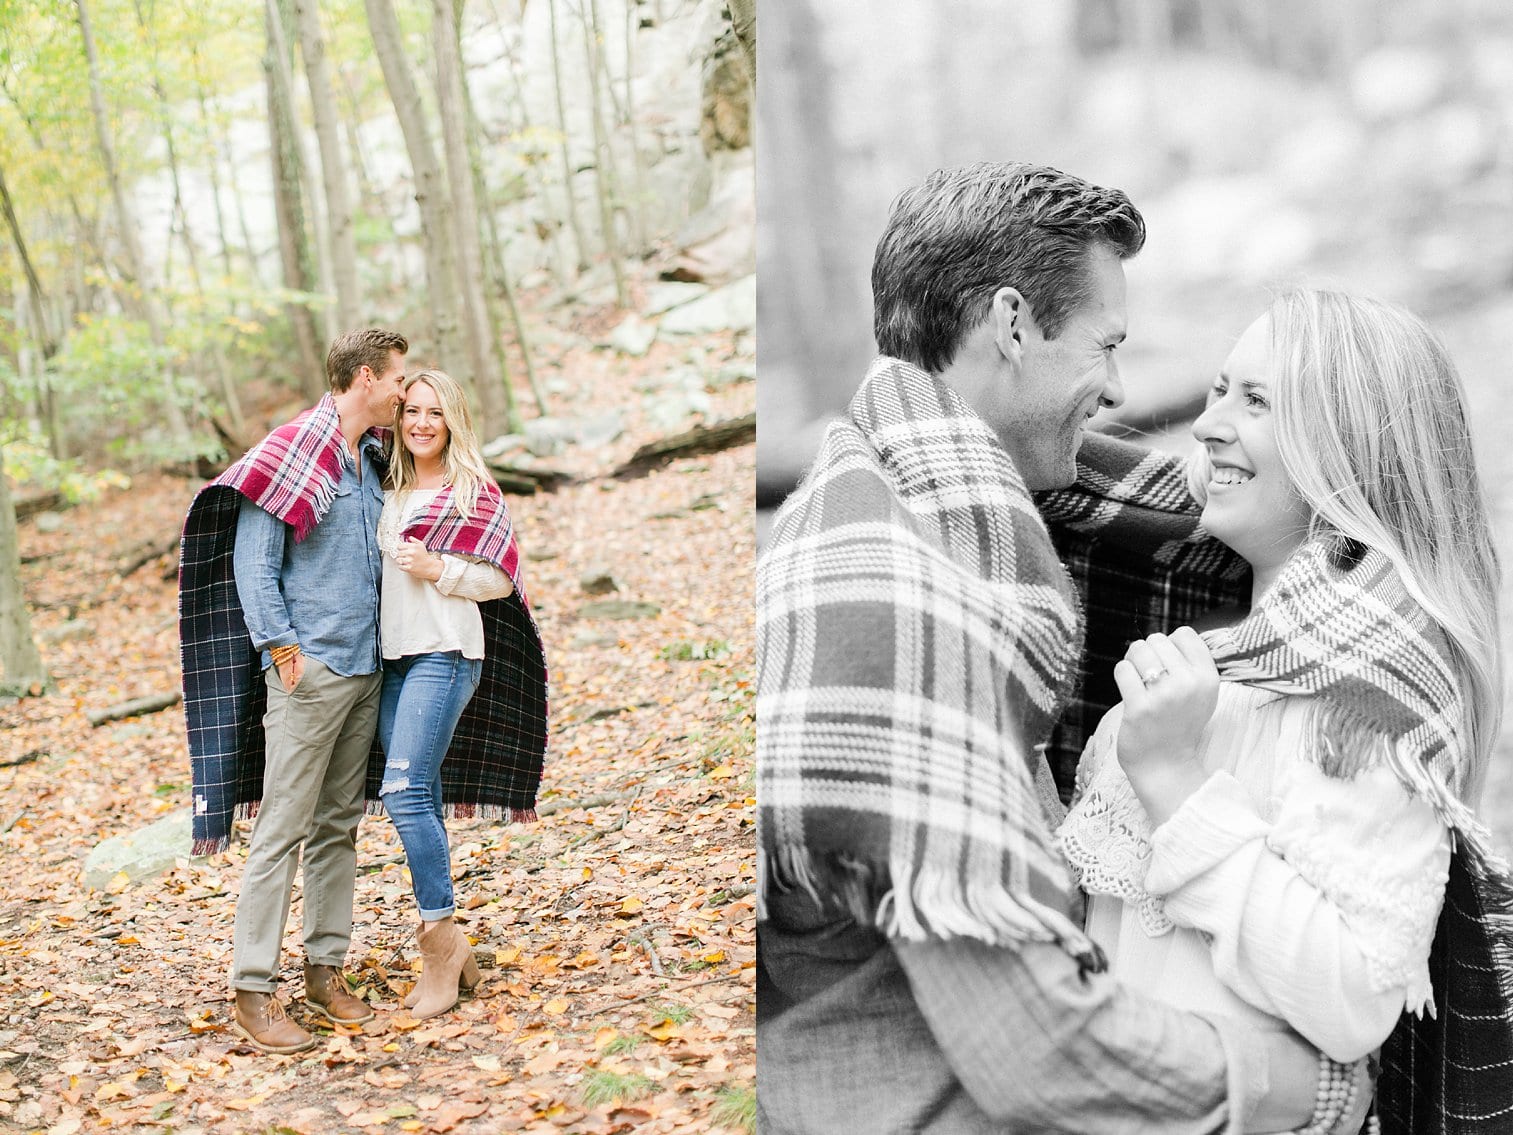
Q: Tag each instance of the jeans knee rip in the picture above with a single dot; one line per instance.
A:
(397, 782)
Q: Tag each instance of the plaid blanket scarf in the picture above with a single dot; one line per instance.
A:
(493, 767)
(1338, 626)
(916, 637)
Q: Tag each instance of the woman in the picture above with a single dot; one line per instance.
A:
(434, 644)
(1275, 845)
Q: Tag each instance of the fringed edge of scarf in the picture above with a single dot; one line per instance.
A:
(935, 905)
(468, 811)
(210, 845)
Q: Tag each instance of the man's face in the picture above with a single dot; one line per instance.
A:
(387, 390)
(1062, 381)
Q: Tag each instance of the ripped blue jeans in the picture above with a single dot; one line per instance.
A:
(423, 698)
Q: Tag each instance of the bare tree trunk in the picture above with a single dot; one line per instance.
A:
(604, 173)
(562, 135)
(637, 164)
(213, 163)
(217, 358)
(280, 14)
(178, 426)
(495, 400)
(47, 343)
(430, 191)
(332, 167)
(495, 249)
(21, 666)
(294, 248)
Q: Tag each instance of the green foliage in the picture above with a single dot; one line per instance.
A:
(622, 1045)
(735, 1106)
(695, 651)
(29, 462)
(117, 385)
(603, 1086)
(672, 1011)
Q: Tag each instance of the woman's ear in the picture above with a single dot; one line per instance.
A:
(1009, 314)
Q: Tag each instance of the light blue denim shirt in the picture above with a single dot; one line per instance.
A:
(322, 592)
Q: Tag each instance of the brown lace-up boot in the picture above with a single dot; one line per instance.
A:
(326, 993)
(260, 1018)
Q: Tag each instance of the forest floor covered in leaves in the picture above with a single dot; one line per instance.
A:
(617, 934)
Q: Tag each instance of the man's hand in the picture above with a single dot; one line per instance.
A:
(1170, 688)
(291, 671)
(413, 558)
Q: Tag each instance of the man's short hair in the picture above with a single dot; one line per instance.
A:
(953, 241)
(369, 347)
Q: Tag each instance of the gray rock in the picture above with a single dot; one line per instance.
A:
(618, 609)
(143, 854)
(601, 429)
(670, 294)
(741, 370)
(594, 638)
(633, 336)
(48, 521)
(504, 443)
(548, 437)
(599, 582)
(731, 308)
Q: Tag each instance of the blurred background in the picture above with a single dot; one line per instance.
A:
(1365, 144)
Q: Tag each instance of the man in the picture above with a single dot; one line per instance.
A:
(921, 967)
(279, 588)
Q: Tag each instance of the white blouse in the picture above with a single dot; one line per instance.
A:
(1274, 893)
(417, 616)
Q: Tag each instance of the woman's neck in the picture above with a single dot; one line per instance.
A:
(430, 474)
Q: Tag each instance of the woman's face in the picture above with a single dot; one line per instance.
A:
(422, 425)
(1252, 504)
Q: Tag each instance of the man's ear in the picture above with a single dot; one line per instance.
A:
(1009, 315)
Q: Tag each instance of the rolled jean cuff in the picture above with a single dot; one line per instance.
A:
(437, 915)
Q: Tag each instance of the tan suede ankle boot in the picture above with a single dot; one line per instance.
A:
(449, 968)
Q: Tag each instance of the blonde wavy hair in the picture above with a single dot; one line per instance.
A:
(1372, 430)
(466, 471)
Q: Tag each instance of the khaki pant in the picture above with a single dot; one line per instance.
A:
(318, 739)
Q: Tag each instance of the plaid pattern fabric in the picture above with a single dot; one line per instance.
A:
(494, 765)
(915, 637)
(1344, 630)
(1128, 533)
(293, 472)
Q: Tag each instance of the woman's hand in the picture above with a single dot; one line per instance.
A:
(1170, 687)
(412, 557)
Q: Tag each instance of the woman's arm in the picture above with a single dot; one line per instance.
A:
(1323, 918)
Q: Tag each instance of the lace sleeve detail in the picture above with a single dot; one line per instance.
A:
(1106, 836)
(1381, 857)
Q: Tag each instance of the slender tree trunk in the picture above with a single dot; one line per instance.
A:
(604, 175)
(496, 402)
(332, 167)
(21, 666)
(294, 248)
(567, 165)
(280, 15)
(165, 115)
(495, 252)
(430, 192)
(47, 343)
(178, 426)
(637, 165)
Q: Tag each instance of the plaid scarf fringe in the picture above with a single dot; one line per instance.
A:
(914, 627)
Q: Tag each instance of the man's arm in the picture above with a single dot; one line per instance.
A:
(1040, 1047)
(257, 561)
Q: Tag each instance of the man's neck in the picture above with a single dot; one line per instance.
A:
(351, 410)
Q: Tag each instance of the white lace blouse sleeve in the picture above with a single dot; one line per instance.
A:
(472, 579)
(1323, 917)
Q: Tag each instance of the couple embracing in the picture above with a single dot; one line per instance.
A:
(1267, 681)
(354, 629)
